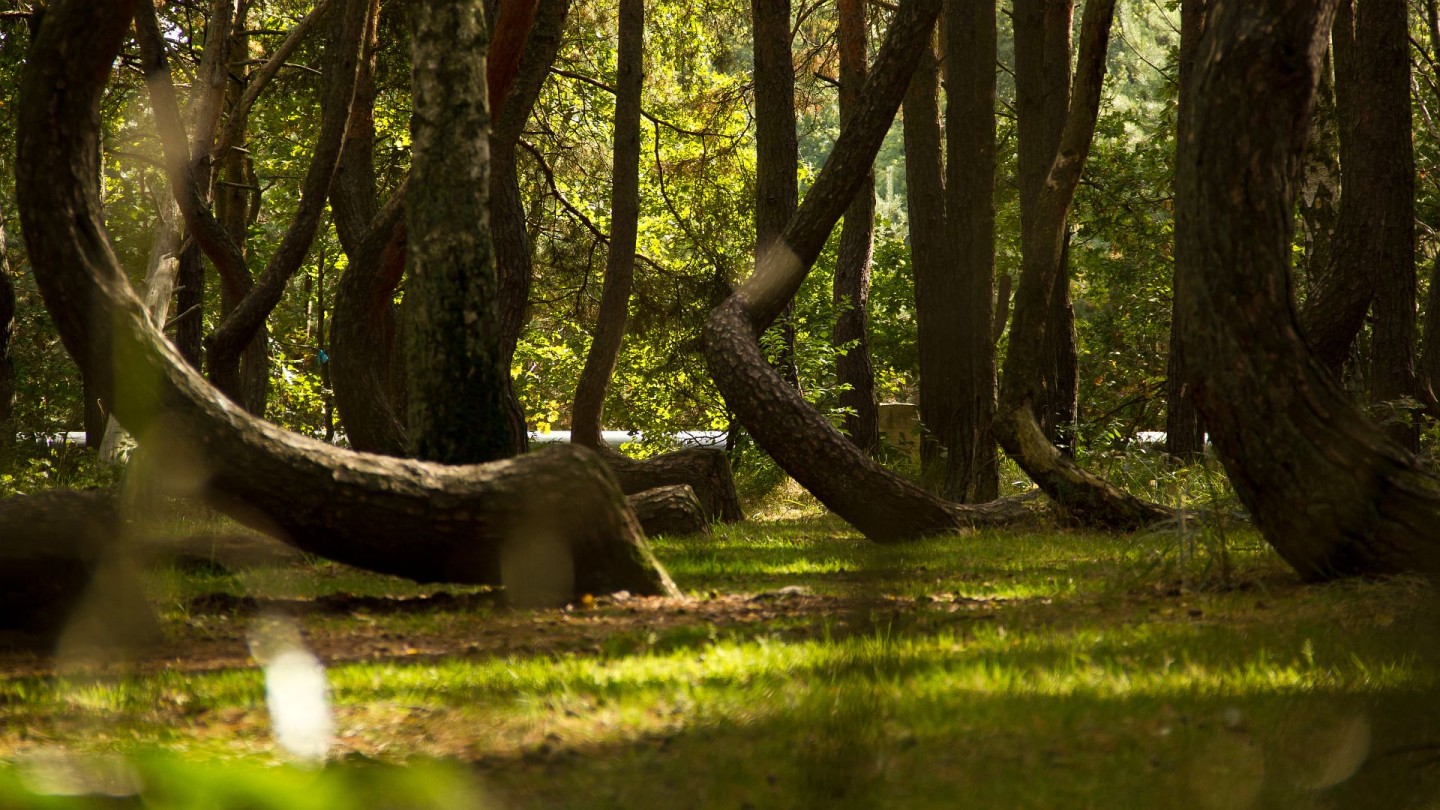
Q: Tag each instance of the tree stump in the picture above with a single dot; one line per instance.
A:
(672, 510)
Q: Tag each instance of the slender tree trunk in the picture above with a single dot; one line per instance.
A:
(938, 292)
(7, 366)
(852, 266)
(624, 230)
(1084, 496)
(1329, 491)
(1184, 435)
(458, 408)
(777, 150)
(1319, 197)
(547, 526)
(1382, 30)
(1061, 357)
(190, 304)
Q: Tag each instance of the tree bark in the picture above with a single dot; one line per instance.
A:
(883, 506)
(1376, 169)
(458, 409)
(1085, 497)
(1330, 492)
(853, 370)
(7, 365)
(705, 470)
(365, 362)
(624, 231)
(672, 510)
(777, 149)
(938, 291)
(1382, 30)
(1042, 102)
(970, 48)
(1184, 435)
(548, 525)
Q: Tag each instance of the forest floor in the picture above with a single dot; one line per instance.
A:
(806, 667)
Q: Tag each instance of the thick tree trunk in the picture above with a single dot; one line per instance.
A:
(777, 150)
(1329, 491)
(883, 506)
(671, 510)
(1084, 496)
(459, 412)
(367, 378)
(1376, 167)
(604, 351)
(1184, 435)
(970, 48)
(547, 525)
(853, 370)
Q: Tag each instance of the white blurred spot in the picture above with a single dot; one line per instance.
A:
(297, 693)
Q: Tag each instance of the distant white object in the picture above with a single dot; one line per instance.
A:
(1157, 438)
(616, 438)
(75, 437)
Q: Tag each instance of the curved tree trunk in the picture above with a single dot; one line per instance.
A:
(853, 370)
(624, 231)
(1330, 492)
(1084, 496)
(883, 506)
(706, 470)
(672, 510)
(547, 525)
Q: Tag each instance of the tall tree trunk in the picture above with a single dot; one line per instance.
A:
(368, 383)
(458, 408)
(7, 366)
(1382, 30)
(853, 370)
(548, 526)
(1061, 357)
(1184, 435)
(885, 507)
(1042, 101)
(1084, 496)
(624, 230)
(938, 291)
(1375, 171)
(1329, 491)
(777, 150)
(970, 59)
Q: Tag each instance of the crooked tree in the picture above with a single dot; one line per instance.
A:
(1331, 492)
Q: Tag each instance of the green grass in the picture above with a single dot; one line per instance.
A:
(1045, 669)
